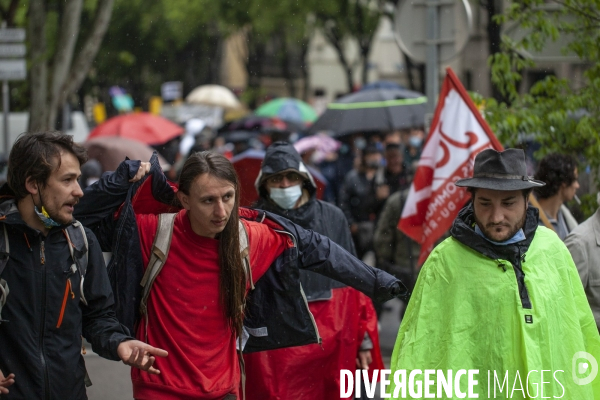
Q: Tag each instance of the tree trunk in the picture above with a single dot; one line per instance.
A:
(38, 74)
(284, 61)
(82, 64)
(61, 62)
(8, 14)
(494, 41)
(304, 69)
(335, 41)
(67, 76)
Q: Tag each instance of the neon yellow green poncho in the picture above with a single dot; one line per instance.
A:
(466, 314)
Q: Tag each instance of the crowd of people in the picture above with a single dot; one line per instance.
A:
(207, 299)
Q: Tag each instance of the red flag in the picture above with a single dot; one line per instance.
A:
(458, 133)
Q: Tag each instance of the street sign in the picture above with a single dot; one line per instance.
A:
(12, 50)
(13, 70)
(12, 35)
(12, 67)
(171, 91)
(453, 25)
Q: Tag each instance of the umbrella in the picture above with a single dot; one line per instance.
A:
(262, 124)
(373, 110)
(322, 144)
(239, 136)
(110, 151)
(288, 109)
(382, 85)
(247, 166)
(214, 95)
(143, 127)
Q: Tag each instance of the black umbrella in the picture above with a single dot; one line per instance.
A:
(262, 124)
(373, 110)
(239, 136)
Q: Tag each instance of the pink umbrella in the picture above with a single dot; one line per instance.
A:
(323, 145)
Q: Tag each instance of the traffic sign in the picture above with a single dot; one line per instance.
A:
(12, 35)
(13, 70)
(171, 91)
(453, 25)
(12, 50)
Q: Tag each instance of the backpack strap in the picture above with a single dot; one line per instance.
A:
(75, 234)
(4, 256)
(160, 251)
(245, 252)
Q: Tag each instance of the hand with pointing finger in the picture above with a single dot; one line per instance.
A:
(140, 355)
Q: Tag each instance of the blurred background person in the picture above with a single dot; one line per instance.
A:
(90, 173)
(357, 199)
(559, 172)
(393, 177)
(584, 245)
(395, 252)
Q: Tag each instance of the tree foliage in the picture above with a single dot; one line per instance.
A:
(562, 115)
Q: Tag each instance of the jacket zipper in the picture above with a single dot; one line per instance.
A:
(43, 323)
(520, 275)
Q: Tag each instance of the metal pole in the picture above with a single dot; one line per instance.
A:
(432, 63)
(5, 112)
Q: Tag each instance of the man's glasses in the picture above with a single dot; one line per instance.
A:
(291, 177)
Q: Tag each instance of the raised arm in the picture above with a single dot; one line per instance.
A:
(104, 196)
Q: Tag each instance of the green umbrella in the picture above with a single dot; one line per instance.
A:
(288, 109)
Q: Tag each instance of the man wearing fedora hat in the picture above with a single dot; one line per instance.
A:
(500, 297)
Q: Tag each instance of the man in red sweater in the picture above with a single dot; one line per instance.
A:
(196, 307)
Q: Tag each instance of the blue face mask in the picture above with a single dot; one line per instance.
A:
(45, 218)
(286, 198)
(415, 141)
(520, 235)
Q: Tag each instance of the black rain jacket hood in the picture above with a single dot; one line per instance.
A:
(279, 157)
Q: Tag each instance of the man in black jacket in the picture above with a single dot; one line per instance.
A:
(53, 300)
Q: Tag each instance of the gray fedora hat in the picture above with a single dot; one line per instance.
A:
(500, 170)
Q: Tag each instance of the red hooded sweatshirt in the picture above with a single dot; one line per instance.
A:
(185, 316)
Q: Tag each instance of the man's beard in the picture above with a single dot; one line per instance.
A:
(489, 228)
(54, 214)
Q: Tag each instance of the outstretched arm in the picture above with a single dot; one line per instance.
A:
(320, 254)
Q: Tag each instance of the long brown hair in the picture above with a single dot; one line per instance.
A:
(232, 281)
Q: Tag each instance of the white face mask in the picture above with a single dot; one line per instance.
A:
(286, 198)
